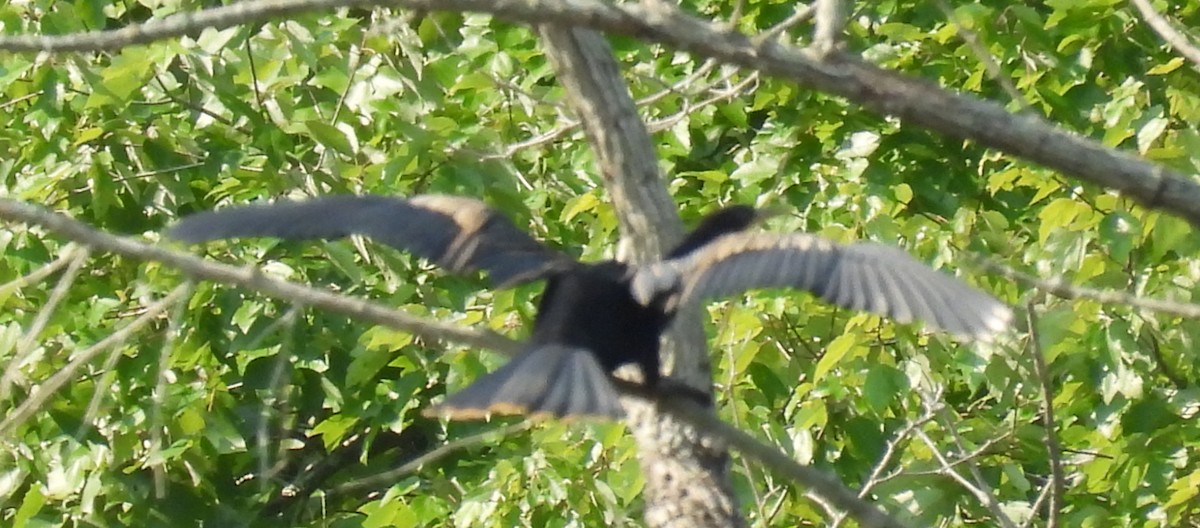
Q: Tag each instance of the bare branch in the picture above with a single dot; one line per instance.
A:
(44, 390)
(1168, 33)
(1053, 448)
(979, 488)
(176, 25)
(1061, 288)
(915, 101)
(26, 346)
(828, 24)
(668, 400)
(253, 280)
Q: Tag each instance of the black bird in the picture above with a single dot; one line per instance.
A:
(595, 317)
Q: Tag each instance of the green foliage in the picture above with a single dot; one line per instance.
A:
(255, 390)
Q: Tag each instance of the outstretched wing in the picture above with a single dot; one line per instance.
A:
(546, 380)
(863, 276)
(459, 234)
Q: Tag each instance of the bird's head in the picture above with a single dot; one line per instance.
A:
(737, 218)
(723, 221)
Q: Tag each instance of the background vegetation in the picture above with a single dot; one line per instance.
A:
(229, 402)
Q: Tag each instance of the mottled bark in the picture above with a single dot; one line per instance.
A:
(687, 476)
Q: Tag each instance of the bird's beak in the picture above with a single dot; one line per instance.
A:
(762, 214)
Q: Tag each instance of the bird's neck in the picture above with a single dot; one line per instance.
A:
(704, 233)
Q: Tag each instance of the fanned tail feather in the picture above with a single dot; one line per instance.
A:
(548, 380)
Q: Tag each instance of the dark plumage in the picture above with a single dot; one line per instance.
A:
(595, 317)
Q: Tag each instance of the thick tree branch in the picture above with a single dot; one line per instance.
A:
(829, 26)
(252, 279)
(687, 480)
(698, 417)
(888, 93)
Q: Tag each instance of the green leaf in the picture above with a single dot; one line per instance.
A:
(1184, 490)
(586, 202)
(331, 136)
(1058, 214)
(837, 349)
(1166, 67)
(903, 193)
(884, 384)
(119, 81)
(31, 504)
(1149, 132)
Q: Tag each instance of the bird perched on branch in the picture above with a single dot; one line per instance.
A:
(595, 317)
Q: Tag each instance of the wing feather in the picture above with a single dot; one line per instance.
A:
(460, 234)
(863, 276)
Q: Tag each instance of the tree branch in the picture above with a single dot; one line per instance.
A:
(687, 481)
(1168, 33)
(1054, 449)
(37, 399)
(252, 279)
(884, 92)
(1059, 287)
(699, 417)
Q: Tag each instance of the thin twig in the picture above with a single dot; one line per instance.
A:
(1059, 287)
(18, 100)
(670, 121)
(159, 396)
(1054, 451)
(981, 495)
(26, 345)
(36, 276)
(44, 390)
(670, 401)
(1163, 27)
(434, 455)
(932, 405)
(803, 13)
(982, 490)
(981, 52)
(1037, 504)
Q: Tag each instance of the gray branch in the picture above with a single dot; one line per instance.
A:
(1169, 34)
(699, 418)
(916, 101)
(687, 480)
(252, 279)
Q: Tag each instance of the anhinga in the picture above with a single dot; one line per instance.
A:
(595, 317)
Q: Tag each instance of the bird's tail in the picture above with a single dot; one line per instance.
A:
(545, 380)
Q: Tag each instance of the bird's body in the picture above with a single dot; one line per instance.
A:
(591, 307)
(596, 317)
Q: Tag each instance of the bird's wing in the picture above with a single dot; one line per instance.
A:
(544, 380)
(459, 234)
(862, 276)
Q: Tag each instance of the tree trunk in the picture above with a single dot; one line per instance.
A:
(687, 475)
